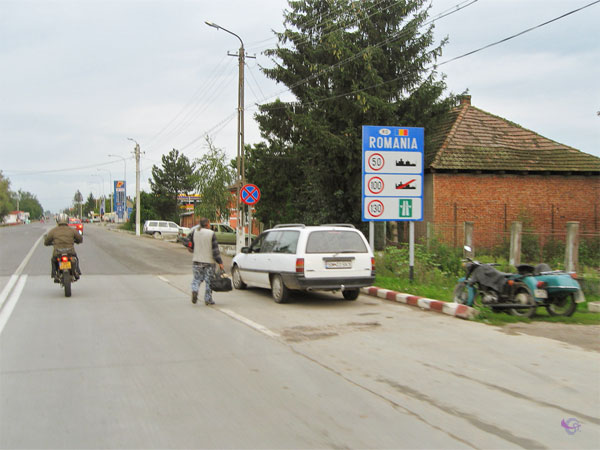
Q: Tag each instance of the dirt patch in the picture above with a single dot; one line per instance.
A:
(584, 336)
(302, 333)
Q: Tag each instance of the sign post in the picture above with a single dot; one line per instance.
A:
(250, 195)
(392, 188)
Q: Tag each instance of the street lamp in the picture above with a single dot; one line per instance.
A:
(109, 186)
(240, 138)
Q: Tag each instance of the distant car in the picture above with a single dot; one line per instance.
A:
(306, 258)
(225, 234)
(158, 228)
(76, 223)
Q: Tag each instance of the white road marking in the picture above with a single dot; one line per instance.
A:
(160, 277)
(12, 301)
(15, 276)
(7, 289)
(250, 323)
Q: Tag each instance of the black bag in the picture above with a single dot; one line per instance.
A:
(220, 283)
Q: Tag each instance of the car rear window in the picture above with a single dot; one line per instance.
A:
(335, 241)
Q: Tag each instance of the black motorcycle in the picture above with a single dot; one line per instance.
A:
(483, 284)
(66, 270)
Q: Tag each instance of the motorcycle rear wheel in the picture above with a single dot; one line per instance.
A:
(523, 296)
(562, 306)
(461, 293)
(67, 283)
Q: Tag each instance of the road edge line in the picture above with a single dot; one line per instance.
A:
(250, 323)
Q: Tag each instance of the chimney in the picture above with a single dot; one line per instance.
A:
(465, 100)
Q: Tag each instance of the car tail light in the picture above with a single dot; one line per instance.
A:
(541, 284)
(373, 265)
(511, 282)
(573, 275)
(64, 258)
(299, 265)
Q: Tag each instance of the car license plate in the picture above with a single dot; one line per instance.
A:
(338, 265)
(65, 265)
(540, 293)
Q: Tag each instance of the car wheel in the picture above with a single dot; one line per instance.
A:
(237, 278)
(279, 291)
(157, 235)
(350, 294)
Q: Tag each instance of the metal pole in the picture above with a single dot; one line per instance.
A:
(241, 177)
(137, 190)
(411, 250)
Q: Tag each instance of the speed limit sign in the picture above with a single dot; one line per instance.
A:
(375, 208)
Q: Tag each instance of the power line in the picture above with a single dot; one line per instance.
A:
(435, 65)
(445, 13)
(520, 33)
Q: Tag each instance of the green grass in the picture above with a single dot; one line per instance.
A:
(442, 290)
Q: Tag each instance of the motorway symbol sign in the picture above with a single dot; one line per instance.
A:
(405, 207)
(250, 194)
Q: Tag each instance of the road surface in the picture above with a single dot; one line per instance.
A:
(129, 362)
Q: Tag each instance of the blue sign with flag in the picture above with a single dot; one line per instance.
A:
(393, 163)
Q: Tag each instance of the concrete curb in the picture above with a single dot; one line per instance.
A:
(451, 309)
(594, 306)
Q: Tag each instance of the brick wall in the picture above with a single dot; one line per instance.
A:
(493, 201)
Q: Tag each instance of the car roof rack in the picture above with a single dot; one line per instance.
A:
(289, 225)
(347, 225)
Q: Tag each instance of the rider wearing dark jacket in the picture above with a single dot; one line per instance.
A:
(63, 238)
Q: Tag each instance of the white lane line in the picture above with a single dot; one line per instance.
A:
(12, 301)
(250, 323)
(18, 272)
(160, 277)
(7, 289)
(28, 257)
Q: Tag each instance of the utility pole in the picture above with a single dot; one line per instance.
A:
(137, 189)
(241, 173)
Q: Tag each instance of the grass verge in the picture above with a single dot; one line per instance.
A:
(443, 291)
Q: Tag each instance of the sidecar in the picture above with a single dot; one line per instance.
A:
(557, 290)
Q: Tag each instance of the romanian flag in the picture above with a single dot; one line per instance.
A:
(402, 132)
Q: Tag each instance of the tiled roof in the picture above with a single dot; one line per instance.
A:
(471, 139)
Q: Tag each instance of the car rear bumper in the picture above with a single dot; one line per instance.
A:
(300, 282)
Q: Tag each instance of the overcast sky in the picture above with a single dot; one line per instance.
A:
(78, 77)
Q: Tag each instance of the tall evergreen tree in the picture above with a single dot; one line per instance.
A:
(175, 177)
(348, 63)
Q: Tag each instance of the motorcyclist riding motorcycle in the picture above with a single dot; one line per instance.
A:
(63, 237)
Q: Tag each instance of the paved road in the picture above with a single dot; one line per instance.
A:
(129, 362)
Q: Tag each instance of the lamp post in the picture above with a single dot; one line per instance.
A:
(240, 179)
(137, 187)
(109, 185)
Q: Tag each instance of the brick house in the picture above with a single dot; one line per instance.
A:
(487, 170)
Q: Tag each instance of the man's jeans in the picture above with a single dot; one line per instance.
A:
(203, 272)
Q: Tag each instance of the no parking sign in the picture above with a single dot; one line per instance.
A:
(250, 194)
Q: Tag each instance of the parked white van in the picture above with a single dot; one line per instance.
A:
(158, 228)
(298, 257)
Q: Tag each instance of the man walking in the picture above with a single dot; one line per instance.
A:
(206, 254)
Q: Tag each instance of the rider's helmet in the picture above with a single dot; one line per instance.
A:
(62, 218)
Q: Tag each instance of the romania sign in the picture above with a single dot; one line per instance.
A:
(392, 188)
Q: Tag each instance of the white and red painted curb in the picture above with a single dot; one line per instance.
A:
(452, 309)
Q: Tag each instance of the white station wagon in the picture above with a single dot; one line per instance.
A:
(306, 258)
